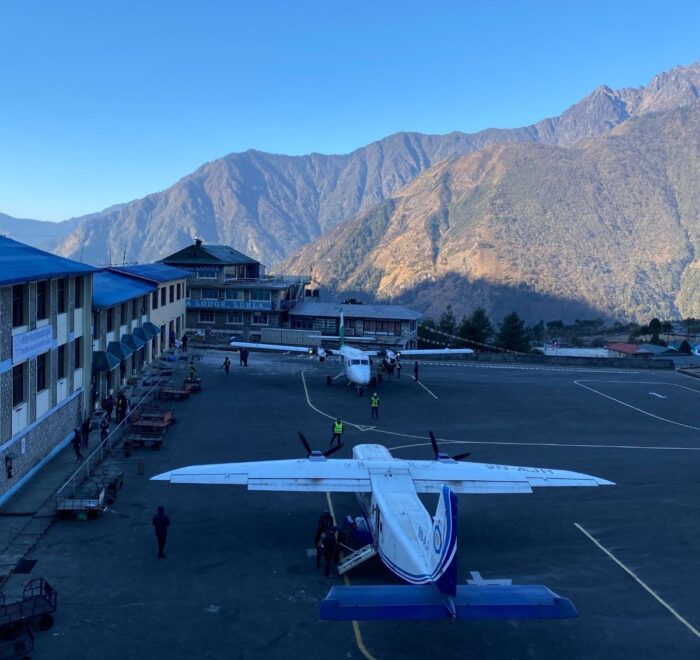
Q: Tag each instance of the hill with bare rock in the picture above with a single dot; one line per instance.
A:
(608, 227)
(269, 205)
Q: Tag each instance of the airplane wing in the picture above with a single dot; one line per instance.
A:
(487, 478)
(316, 474)
(435, 351)
(270, 347)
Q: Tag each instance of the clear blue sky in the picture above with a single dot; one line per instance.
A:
(103, 102)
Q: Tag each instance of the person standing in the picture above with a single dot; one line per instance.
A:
(398, 368)
(241, 357)
(246, 353)
(104, 429)
(380, 371)
(415, 371)
(325, 522)
(85, 433)
(184, 343)
(193, 369)
(108, 405)
(330, 550)
(121, 407)
(226, 365)
(161, 522)
(337, 432)
(77, 439)
(374, 405)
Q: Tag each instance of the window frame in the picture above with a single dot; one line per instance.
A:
(19, 311)
(21, 370)
(204, 312)
(42, 290)
(42, 372)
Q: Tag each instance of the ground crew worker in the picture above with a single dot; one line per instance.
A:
(380, 371)
(104, 429)
(374, 405)
(121, 407)
(85, 432)
(415, 371)
(330, 550)
(161, 522)
(76, 442)
(193, 369)
(337, 432)
(398, 369)
(325, 522)
(226, 365)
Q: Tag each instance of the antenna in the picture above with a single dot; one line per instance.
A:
(124, 258)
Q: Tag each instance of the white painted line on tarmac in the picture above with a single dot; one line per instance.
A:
(656, 394)
(641, 410)
(424, 387)
(647, 588)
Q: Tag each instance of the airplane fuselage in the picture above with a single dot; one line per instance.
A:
(355, 365)
(410, 543)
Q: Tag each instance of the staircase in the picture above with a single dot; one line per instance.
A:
(356, 558)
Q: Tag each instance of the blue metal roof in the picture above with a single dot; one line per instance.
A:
(23, 263)
(153, 272)
(110, 289)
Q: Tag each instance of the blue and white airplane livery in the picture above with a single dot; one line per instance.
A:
(420, 549)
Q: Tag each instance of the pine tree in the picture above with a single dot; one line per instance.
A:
(448, 322)
(512, 335)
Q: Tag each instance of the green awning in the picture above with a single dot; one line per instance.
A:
(152, 328)
(132, 342)
(141, 335)
(119, 350)
(104, 361)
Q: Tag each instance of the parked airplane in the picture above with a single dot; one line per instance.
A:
(419, 549)
(354, 362)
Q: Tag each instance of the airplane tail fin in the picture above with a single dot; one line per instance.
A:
(341, 333)
(442, 548)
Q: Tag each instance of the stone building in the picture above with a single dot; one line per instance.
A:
(228, 293)
(167, 309)
(45, 357)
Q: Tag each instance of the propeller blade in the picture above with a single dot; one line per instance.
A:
(332, 450)
(459, 457)
(433, 442)
(305, 443)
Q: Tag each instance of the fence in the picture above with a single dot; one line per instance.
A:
(104, 449)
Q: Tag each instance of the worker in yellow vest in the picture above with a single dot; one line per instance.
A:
(374, 405)
(337, 432)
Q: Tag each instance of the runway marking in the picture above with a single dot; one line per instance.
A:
(527, 368)
(640, 582)
(490, 442)
(355, 625)
(641, 410)
(424, 387)
(660, 396)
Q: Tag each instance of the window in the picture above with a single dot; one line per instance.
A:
(61, 368)
(18, 385)
(110, 320)
(259, 295)
(77, 351)
(61, 296)
(179, 291)
(234, 295)
(162, 296)
(154, 299)
(206, 317)
(207, 274)
(122, 314)
(172, 293)
(234, 317)
(41, 312)
(18, 293)
(95, 325)
(78, 292)
(41, 372)
(135, 308)
(260, 319)
(210, 294)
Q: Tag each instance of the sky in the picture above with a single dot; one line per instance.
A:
(105, 102)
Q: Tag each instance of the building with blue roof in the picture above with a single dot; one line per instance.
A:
(45, 357)
(167, 302)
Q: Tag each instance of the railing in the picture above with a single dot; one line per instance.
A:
(104, 449)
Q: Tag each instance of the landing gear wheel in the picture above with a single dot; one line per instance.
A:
(359, 391)
(45, 622)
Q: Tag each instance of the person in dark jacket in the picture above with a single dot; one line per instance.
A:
(108, 405)
(121, 407)
(85, 433)
(161, 522)
(76, 442)
(330, 550)
(415, 371)
(104, 429)
(325, 522)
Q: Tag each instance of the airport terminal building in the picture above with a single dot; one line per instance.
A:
(45, 356)
(229, 295)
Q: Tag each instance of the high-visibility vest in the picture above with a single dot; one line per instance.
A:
(374, 402)
(337, 427)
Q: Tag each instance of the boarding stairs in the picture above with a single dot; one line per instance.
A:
(356, 558)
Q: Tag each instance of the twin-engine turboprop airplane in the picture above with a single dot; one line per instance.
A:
(354, 362)
(420, 549)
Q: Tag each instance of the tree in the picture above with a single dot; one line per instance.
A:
(538, 331)
(448, 322)
(477, 327)
(655, 328)
(512, 335)
(685, 347)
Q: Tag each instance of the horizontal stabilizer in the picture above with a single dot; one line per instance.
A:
(424, 602)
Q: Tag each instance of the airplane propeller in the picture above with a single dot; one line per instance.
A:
(441, 455)
(310, 451)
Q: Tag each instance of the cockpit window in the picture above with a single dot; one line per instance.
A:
(364, 362)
